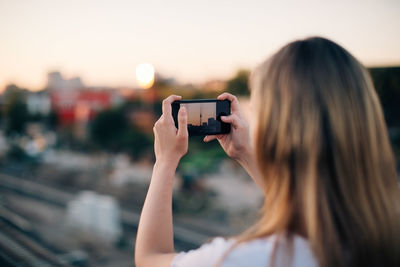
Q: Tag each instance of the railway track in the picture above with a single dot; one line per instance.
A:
(184, 236)
(19, 249)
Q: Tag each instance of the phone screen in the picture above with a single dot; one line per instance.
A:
(204, 116)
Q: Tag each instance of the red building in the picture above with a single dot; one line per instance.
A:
(79, 105)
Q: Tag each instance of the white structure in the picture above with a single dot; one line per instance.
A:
(38, 103)
(96, 213)
(56, 81)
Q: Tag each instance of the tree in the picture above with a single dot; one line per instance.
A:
(112, 131)
(387, 84)
(107, 129)
(52, 120)
(136, 143)
(238, 85)
(15, 110)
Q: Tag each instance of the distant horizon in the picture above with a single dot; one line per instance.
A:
(194, 42)
(85, 85)
(136, 86)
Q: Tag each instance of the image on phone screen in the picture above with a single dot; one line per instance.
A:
(204, 116)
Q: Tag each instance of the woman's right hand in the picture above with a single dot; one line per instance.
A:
(237, 143)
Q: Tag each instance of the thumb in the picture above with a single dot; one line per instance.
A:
(232, 119)
(182, 122)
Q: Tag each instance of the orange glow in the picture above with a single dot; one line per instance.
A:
(145, 75)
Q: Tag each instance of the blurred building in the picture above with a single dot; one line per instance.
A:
(38, 103)
(99, 214)
(73, 102)
(212, 123)
(79, 105)
(56, 81)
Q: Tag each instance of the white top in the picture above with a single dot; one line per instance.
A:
(253, 253)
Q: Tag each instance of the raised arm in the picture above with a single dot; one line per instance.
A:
(154, 241)
(237, 143)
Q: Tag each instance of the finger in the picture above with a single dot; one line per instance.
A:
(232, 119)
(235, 106)
(209, 138)
(182, 122)
(220, 136)
(166, 104)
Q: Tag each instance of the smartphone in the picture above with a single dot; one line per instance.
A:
(204, 115)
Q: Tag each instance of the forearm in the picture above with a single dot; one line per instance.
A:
(155, 231)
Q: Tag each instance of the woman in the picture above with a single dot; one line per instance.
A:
(319, 150)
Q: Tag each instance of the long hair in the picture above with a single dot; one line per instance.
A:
(323, 150)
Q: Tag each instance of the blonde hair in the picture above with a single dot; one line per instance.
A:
(323, 150)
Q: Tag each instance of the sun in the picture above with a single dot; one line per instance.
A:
(145, 75)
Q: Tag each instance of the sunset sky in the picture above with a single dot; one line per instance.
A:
(193, 41)
(207, 109)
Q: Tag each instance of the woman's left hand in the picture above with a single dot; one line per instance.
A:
(170, 144)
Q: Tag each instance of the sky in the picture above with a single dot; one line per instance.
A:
(208, 110)
(192, 41)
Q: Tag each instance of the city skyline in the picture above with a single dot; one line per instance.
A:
(103, 42)
(198, 113)
(210, 125)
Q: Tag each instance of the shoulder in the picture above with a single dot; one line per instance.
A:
(253, 253)
(206, 255)
(259, 252)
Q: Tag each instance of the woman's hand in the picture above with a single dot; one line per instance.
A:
(237, 143)
(170, 144)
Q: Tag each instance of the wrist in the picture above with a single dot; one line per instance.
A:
(163, 172)
(166, 163)
(246, 156)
